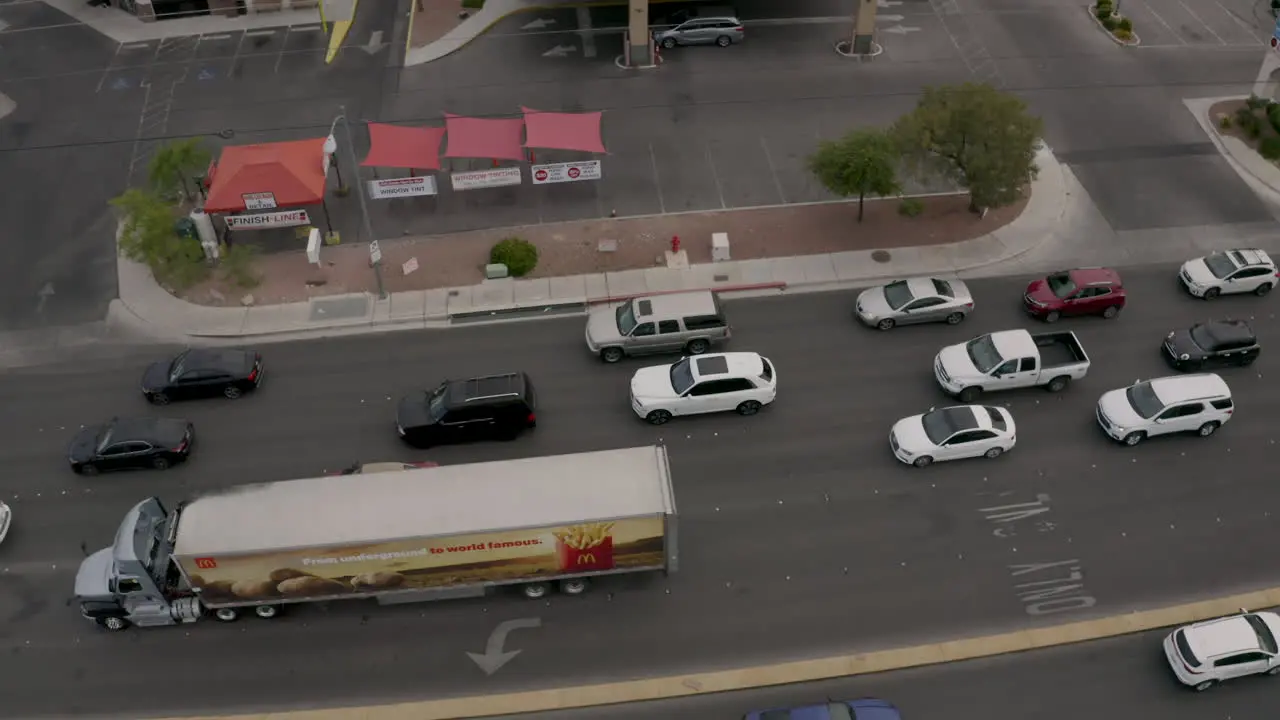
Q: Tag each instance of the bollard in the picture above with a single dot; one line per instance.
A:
(675, 244)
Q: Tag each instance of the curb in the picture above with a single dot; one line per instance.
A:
(339, 33)
(1091, 9)
(1227, 146)
(746, 678)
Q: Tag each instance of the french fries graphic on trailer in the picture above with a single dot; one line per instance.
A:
(584, 536)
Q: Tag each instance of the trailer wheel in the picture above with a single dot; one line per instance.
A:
(576, 586)
(534, 591)
(226, 614)
(114, 624)
(267, 612)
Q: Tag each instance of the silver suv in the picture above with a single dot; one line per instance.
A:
(706, 29)
(688, 322)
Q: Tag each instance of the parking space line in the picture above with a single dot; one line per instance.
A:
(1162, 21)
(1253, 31)
(235, 56)
(657, 180)
(107, 68)
(283, 45)
(773, 170)
(305, 28)
(584, 31)
(223, 36)
(1206, 25)
(715, 176)
(259, 33)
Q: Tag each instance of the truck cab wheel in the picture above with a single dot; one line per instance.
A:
(611, 354)
(969, 394)
(576, 586)
(114, 624)
(267, 612)
(534, 591)
(226, 614)
(1058, 384)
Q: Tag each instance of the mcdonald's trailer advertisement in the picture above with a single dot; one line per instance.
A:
(507, 556)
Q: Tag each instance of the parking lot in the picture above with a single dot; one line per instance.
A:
(1196, 24)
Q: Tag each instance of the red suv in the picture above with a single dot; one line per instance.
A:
(1083, 291)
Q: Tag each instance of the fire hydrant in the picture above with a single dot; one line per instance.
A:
(675, 244)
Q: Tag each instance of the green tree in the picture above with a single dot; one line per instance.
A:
(148, 235)
(175, 163)
(863, 162)
(976, 136)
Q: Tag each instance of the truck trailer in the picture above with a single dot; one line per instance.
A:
(421, 534)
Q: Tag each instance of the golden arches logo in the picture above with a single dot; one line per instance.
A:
(586, 558)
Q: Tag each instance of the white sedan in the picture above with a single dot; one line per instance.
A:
(952, 433)
(6, 515)
(739, 381)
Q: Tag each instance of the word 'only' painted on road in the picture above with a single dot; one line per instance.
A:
(1043, 588)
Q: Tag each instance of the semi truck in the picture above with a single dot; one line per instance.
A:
(535, 524)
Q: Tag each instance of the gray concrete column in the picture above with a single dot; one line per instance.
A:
(864, 28)
(638, 30)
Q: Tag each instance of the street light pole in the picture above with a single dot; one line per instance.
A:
(364, 207)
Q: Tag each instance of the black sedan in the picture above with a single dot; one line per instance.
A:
(1213, 343)
(131, 444)
(203, 372)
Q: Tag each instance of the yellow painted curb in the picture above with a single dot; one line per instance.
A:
(786, 673)
(339, 34)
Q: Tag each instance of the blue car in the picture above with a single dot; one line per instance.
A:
(864, 709)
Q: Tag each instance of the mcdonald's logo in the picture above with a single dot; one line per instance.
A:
(586, 559)
(206, 563)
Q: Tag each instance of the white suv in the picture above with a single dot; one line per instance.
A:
(741, 381)
(1206, 653)
(1182, 403)
(1232, 271)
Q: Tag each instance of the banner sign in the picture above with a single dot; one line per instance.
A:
(402, 187)
(264, 221)
(259, 201)
(497, 177)
(566, 172)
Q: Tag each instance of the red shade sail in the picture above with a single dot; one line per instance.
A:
(394, 146)
(484, 138)
(291, 171)
(563, 131)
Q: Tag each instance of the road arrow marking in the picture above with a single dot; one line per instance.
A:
(375, 43)
(900, 30)
(494, 657)
(891, 18)
(43, 296)
(888, 3)
(119, 83)
(538, 24)
(206, 74)
(560, 51)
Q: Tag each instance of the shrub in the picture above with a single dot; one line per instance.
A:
(1273, 117)
(1103, 9)
(1109, 22)
(1269, 148)
(1125, 24)
(237, 265)
(473, 4)
(1247, 121)
(1224, 121)
(1122, 34)
(910, 207)
(520, 256)
(1253, 102)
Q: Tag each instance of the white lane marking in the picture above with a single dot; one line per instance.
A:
(584, 26)
(259, 33)
(1206, 25)
(1161, 20)
(215, 37)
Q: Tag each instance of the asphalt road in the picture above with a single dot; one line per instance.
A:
(799, 516)
(1117, 678)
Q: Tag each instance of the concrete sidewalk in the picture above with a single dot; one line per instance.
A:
(144, 305)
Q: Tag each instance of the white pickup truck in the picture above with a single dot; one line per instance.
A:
(1010, 359)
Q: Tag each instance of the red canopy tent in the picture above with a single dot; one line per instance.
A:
(484, 138)
(563, 131)
(394, 146)
(293, 172)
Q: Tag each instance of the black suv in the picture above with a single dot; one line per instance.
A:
(1217, 342)
(496, 407)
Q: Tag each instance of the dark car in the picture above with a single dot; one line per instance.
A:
(201, 373)
(496, 407)
(864, 709)
(1083, 291)
(131, 444)
(377, 467)
(1213, 343)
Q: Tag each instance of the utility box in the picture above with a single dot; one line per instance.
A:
(495, 271)
(719, 247)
